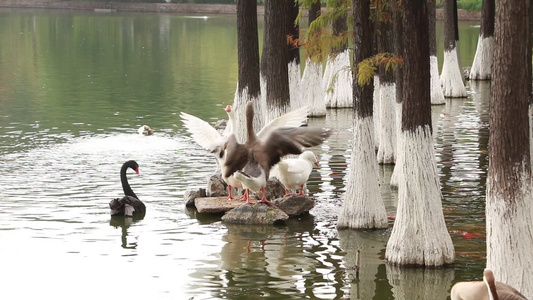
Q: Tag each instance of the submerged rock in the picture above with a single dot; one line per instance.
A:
(258, 213)
(295, 205)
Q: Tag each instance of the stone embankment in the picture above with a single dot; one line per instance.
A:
(164, 7)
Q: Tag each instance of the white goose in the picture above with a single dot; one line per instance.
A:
(294, 172)
(250, 162)
(210, 139)
(488, 289)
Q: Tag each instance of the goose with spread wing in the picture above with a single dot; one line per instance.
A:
(250, 162)
(210, 139)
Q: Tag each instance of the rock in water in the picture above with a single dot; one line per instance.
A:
(191, 194)
(295, 205)
(257, 213)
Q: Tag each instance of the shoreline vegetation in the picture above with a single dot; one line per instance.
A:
(110, 6)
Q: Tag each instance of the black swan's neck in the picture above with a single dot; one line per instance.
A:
(125, 185)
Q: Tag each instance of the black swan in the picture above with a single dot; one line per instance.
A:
(130, 204)
(250, 162)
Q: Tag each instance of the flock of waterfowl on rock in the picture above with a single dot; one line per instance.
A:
(248, 166)
(244, 165)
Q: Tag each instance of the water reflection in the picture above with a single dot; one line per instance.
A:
(419, 283)
(124, 223)
(75, 88)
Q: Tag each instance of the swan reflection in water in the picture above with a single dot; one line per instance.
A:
(124, 223)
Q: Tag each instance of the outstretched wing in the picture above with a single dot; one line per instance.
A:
(235, 156)
(295, 118)
(202, 132)
(290, 140)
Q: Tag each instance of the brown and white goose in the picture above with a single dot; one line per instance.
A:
(210, 139)
(250, 162)
(488, 289)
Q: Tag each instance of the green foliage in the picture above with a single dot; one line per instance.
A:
(469, 4)
(474, 5)
(368, 67)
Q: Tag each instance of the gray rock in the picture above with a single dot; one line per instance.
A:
(215, 205)
(274, 190)
(295, 205)
(191, 194)
(216, 187)
(258, 213)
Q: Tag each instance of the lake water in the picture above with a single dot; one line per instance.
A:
(74, 88)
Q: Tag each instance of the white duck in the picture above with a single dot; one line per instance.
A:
(294, 172)
(488, 289)
(145, 130)
(210, 139)
(250, 162)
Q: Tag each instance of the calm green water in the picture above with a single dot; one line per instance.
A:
(74, 88)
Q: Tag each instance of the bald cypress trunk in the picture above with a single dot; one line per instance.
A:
(451, 77)
(437, 96)
(248, 87)
(312, 94)
(509, 187)
(274, 60)
(337, 81)
(399, 50)
(293, 49)
(419, 235)
(482, 65)
(387, 92)
(363, 206)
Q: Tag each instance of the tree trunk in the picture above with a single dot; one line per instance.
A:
(337, 81)
(509, 187)
(248, 87)
(482, 65)
(312, 95)
(293, 31)
(274, 61)
(437, 96)
(419, 235)
(363, 206)
(399, 51)
(451, 77)
(387, 92)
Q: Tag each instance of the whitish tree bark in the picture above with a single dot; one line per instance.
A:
(312, 94)
(387, 92)
(482, 65)
(337, 81)
(376, 110)
(509, 187)
(387, 129)
(399, 147)
(248, 87)
(293, 30)
(363, 206)
(419, 235)
(274, 61)
(338, 87)
(437, 96)
(451, 78)
(399, 50)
